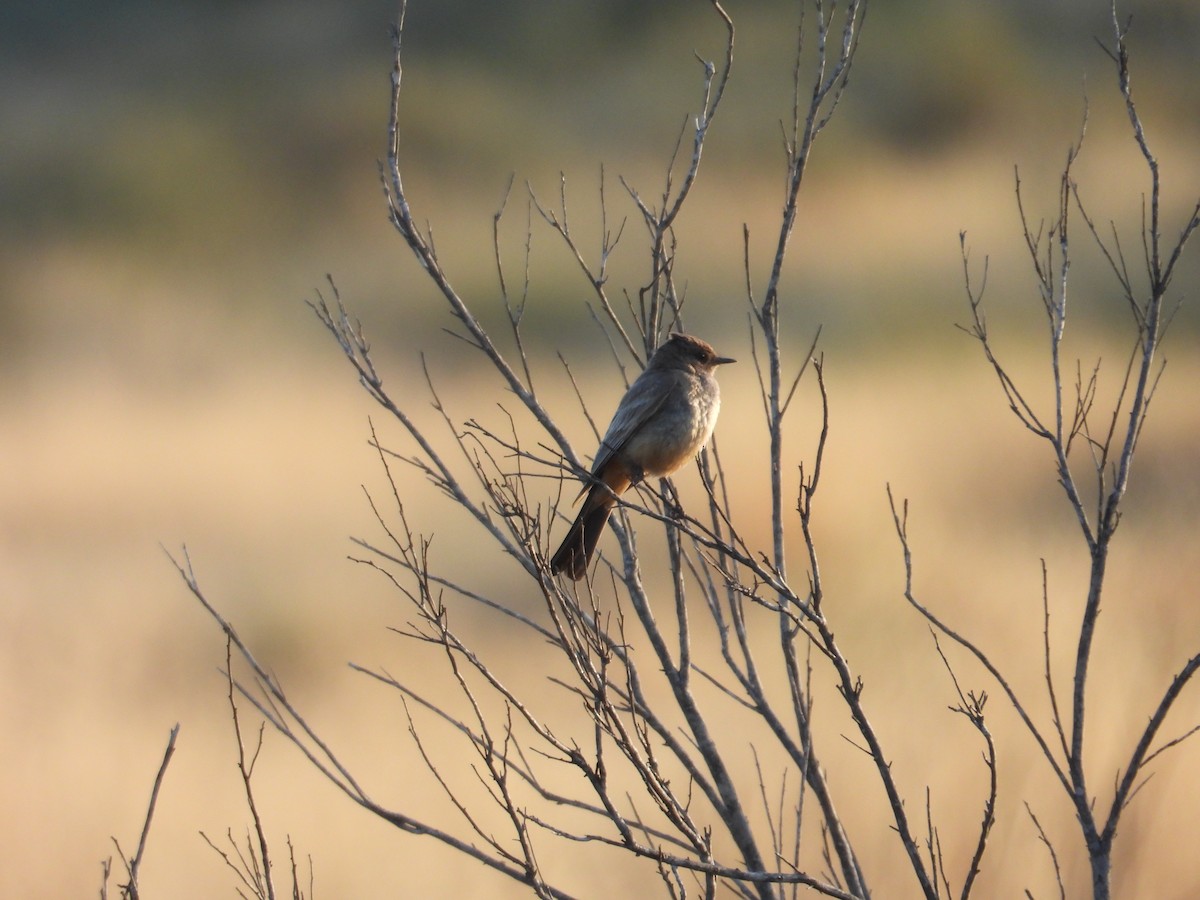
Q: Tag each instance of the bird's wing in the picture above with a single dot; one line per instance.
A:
(643, 399)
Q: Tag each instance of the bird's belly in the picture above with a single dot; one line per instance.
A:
(674, 436)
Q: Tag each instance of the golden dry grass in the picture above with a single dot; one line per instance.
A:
(104, 651)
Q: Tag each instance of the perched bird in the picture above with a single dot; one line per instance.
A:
(663, 420)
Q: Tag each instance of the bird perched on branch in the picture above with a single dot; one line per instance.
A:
(663, 420)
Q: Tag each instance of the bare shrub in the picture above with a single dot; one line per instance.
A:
(661, 648)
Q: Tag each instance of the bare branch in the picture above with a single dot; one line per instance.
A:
(133, 866)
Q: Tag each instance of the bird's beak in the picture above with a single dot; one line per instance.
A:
(722, 360)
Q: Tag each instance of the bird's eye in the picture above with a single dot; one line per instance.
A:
(702, 356)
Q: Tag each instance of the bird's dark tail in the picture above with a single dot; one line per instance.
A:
(575, 552)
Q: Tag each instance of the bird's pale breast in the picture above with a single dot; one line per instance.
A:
(681, 427)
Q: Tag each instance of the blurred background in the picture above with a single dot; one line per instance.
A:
(178, 179)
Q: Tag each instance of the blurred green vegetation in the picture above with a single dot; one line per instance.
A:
(232, 146)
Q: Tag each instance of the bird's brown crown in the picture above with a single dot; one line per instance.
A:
(684, 351)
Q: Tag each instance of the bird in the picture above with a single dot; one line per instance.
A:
(663, 420)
